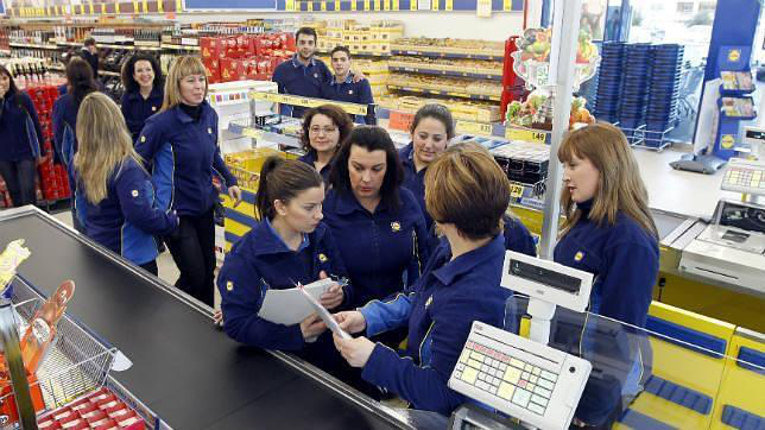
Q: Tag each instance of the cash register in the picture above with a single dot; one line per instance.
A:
(530, 384)
(732, 248)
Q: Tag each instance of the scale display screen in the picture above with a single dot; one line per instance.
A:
(735, 236)
(743, 217)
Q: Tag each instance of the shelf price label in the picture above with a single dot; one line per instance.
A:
(525, 135)
(337, 5)
(516, 190)
(252, 133)
(475, 128)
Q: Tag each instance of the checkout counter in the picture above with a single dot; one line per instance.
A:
(190, 374)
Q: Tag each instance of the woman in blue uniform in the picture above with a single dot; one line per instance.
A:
(431, 131)
(20, 145)
(609, 232)
(325, 128)
(114, 192)
(79, 76)
(289, 245)
(467, 194)
(377, 224)
(181, 143)
(143, 96)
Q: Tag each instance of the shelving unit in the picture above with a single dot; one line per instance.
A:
(436, 71)
(437, 92)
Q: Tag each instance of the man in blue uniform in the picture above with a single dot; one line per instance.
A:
(303, 75)
(343, 87)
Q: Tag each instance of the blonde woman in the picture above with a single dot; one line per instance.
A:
(610, 233)
(115, 198)
(181, 143)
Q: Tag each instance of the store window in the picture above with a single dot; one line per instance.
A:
(689, 24)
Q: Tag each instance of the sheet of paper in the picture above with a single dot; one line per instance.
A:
(290, 307)
(325, 316)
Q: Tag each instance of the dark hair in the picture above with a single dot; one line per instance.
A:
(340, 48)
(282, 179)
(306, 31)
(89, 42)
(438, 112)
(466, 187)
(338, 116)
(128, 68)
(371, 138)
(12, 88)
(80, 77)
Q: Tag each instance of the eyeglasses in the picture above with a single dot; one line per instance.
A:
(326, 130)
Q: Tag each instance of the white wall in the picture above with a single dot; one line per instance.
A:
(457, 25)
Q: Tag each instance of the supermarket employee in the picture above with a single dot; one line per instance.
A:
(377, 224)
(342, 86)
(467, 195)
(289, 245)
(431, 130)
(304, 74)
(609, 232)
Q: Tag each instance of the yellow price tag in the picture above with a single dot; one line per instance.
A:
(378, 5)
(525, 135)
(337, 5)
(289, 6)
(468, 127)
(449, 5)
(252, 133)
(366, 5)
(396, 5)
(412, 4)
(145, 6)
(178, 5)
(435, 4)
(323, 6)
(507, 5)
(161, 6)
(309, 6)
(117, 8)
(386, 5)
(135, 7)
(91, 7)
(516, 191)
(103, 8)
(353, 5)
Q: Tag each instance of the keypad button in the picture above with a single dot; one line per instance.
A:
(534, 379)
(522, 384)
(530, 386)
(536, 371)
(539, 399)
(544, 383)
(460, 367)
(474, 363)
(477, 356)
(481, 376)
(526, 376)
(493, 390)
(502, 367)
(464, 356)
(506, 391)
(543, 392)
(536, 409)
(528, 367)
(512, 375)
(469, 375)
(485, 368)
(517, 363)
(521, 397)
(549, 376)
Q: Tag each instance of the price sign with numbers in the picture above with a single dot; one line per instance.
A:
(525, 135)
(467, 127)
(516, 191)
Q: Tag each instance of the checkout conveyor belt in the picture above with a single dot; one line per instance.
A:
(192, 375)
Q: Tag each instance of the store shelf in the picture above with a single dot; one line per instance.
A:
(243, 130)
(361, 54)
(173, 47)
(107, 73)
(307, 102)
(114, 46)
(439, 72)
(32, 46)
(429, 91)
(5, 51)
(432, 53)
(57, 67)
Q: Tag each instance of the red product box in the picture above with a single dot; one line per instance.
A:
(232, 70)
(211, 47)
(212, 69)
(107, 424)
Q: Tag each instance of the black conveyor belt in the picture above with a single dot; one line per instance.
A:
(190, 374)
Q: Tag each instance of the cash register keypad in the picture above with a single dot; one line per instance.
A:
(506, 377)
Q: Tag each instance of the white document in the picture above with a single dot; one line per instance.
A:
(290, 306)
(327, 317)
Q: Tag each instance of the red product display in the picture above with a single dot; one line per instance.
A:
(241, 57)
(100, 410)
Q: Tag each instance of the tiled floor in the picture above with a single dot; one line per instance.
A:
(168, 271)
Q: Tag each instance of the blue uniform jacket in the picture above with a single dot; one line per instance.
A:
(292, 77)
(414, 181)
(126, 220)
(518, 238)
(184, 154)
(378, 249)
(261, 261)
(310, 158)
(64, 127)
(624, 259)
(351, 92)
(439, 311)
(137, 110)
(20, 128)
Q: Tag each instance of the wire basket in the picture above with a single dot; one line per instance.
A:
(75, 364)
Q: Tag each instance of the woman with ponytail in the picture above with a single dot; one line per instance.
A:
(288, 246)
(81, 83)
